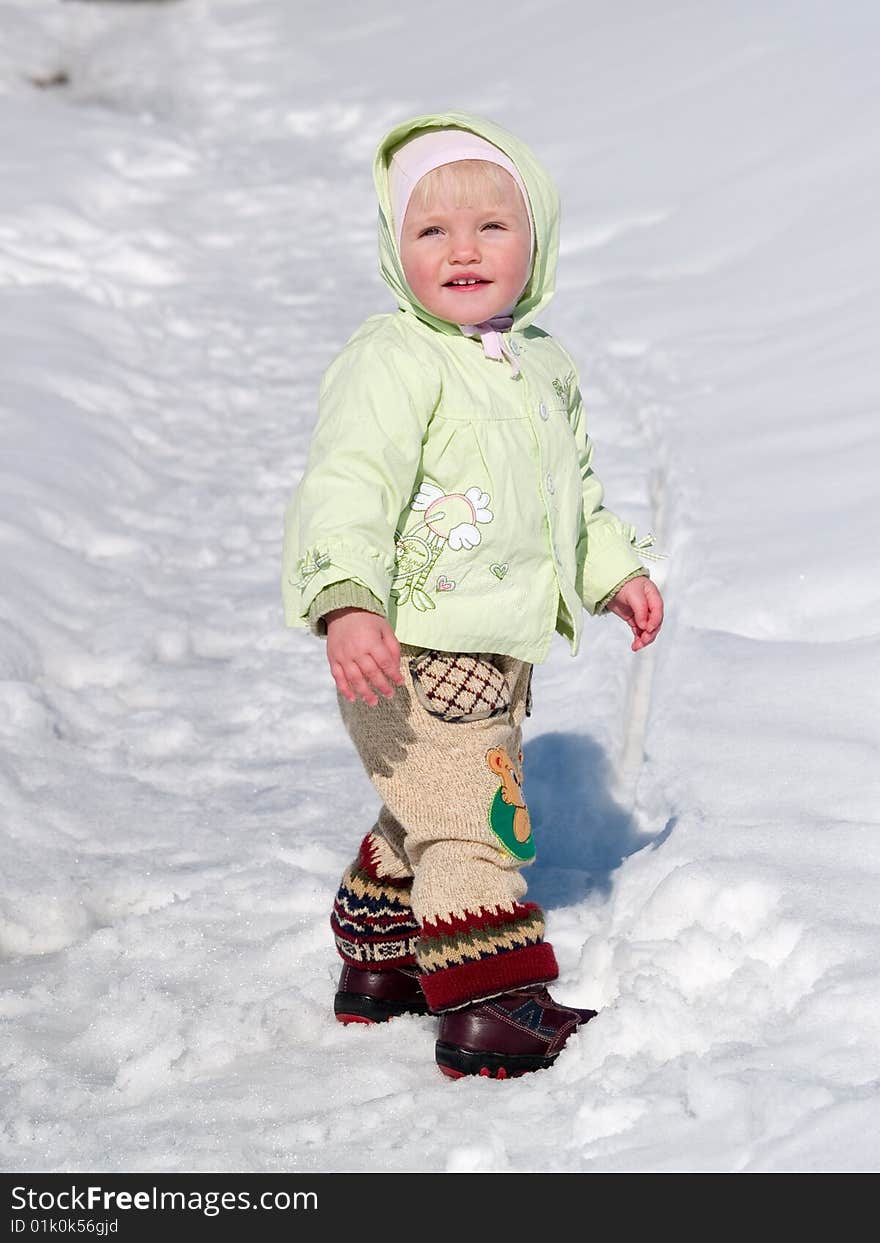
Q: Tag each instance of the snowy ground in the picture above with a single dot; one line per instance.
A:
(186, 239)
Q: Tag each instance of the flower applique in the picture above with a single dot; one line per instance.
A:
(451, 519)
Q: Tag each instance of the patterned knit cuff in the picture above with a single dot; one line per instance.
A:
(372, 921)
(483, 952)
(344, 595)
(606, 599)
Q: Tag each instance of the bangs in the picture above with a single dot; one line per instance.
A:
(467, 183)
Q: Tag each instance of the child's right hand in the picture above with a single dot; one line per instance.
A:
(363, 653)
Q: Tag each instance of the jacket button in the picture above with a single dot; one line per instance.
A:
(551, 486)
(542, 410)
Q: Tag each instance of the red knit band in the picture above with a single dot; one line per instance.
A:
(498, 973)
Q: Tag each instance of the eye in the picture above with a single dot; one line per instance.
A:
(494, 224)
(432, 229)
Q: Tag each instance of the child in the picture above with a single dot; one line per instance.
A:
(448, 523)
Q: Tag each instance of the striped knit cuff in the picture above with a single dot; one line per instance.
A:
(342, 595)
(500, 973)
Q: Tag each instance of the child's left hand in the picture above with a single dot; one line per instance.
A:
(640, 605)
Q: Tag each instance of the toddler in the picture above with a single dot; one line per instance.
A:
(447, 524)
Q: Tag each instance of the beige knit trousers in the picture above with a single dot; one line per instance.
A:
(437, 880)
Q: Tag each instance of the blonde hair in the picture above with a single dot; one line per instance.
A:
(468, 182)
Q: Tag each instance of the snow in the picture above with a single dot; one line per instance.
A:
(186, 239)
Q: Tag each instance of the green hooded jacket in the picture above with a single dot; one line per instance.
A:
(443, 490)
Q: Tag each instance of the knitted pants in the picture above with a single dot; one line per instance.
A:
(437, 881)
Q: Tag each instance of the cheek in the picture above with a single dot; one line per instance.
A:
(416, 272)
(520, 269)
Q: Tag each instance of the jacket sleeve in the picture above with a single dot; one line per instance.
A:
(605, 556)
(375, 403)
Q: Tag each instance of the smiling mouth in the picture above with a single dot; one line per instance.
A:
(468, 283)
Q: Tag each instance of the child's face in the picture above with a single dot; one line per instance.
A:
(487, 242)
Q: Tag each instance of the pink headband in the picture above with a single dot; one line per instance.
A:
(425, 152)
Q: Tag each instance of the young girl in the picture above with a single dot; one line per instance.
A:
(447, 524)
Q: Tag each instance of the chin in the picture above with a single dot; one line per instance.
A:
(475, 314)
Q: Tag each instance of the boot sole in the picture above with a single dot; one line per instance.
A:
(356, 1008)
(457, 1062)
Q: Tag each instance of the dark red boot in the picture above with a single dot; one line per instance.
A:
(507, 1035)
(376, 996)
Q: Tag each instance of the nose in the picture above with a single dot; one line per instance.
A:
(463, 248)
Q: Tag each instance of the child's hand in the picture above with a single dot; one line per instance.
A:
(640, 605)
(363, 653)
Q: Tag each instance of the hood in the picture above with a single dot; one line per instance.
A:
(543, 199)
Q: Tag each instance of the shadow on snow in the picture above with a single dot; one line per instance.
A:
(582, 835)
